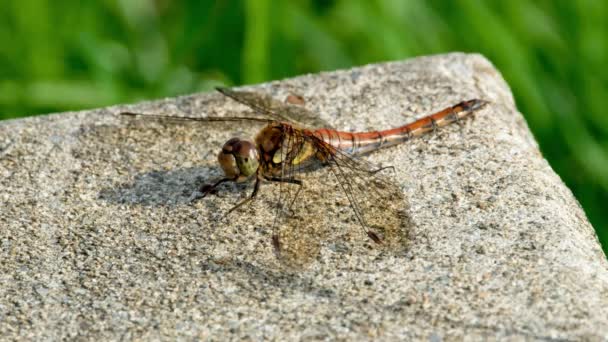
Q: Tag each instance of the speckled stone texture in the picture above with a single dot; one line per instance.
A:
(98, 240)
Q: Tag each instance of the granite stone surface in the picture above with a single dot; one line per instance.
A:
(98, 239)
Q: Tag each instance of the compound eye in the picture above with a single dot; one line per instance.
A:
(228, 164)
(227, 160)
(246, 155)
(230, 145)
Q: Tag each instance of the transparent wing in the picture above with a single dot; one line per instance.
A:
(340, 188)
(378, 204)
(300, 223)
(265, 108)
(197, 119)
(280, 111)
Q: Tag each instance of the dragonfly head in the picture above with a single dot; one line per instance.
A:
(239, 159)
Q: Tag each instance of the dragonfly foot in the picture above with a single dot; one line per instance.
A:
(374, 237)
(202, 192)
(277, 245)
(373, 172)
(207, 188)
(195, 196)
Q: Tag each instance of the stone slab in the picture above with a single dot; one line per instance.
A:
(98, 240)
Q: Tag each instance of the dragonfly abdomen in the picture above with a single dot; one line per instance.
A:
(365, 142)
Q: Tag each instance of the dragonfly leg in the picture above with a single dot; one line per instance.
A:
(276, 243)
(374, 237)
(290, 181)
(373, 172)
(256, 187)
(284, 180)
(205, 189)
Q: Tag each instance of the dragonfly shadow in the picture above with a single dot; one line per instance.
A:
(155, 188)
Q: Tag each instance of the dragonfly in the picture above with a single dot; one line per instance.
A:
(314, 166)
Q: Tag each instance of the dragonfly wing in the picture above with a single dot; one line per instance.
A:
(301, 228)
(303, 116)
(300, 218)
(266, 110)
(280, 111)
(304, 213)
(175, 118)
(377, 203)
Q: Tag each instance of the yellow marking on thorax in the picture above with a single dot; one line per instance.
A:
(305, 152)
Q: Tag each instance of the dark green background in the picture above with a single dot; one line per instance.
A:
(61, 55)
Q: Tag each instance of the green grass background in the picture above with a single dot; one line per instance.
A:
(58, 55)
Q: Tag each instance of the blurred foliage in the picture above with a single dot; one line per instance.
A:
(62, 55)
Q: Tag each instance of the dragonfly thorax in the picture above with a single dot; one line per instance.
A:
(269, 139)
(283, 145)
(239, 159)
